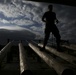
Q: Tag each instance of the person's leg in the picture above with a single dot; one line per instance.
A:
(46, 39)
(58, 37)
(58, 42)
(47, 34)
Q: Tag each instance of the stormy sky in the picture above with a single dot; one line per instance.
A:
(20, 19)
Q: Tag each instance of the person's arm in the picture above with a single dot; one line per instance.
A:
(57, 21)
(43, 18)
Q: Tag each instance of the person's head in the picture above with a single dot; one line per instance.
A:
(50, 7)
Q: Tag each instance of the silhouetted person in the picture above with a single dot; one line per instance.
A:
(49, 18)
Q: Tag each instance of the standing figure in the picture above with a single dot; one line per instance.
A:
(49, 18)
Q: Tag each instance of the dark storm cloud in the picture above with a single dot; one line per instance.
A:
(28, 14)
(23, 35)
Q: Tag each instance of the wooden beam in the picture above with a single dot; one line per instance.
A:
(62, 55)
(24, 69)
(72, 47)
(4, 51)
(62, 2)
(58, 67)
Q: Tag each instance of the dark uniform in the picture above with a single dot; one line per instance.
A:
(49, 18)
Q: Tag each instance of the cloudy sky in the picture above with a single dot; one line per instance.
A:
(20, 19)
